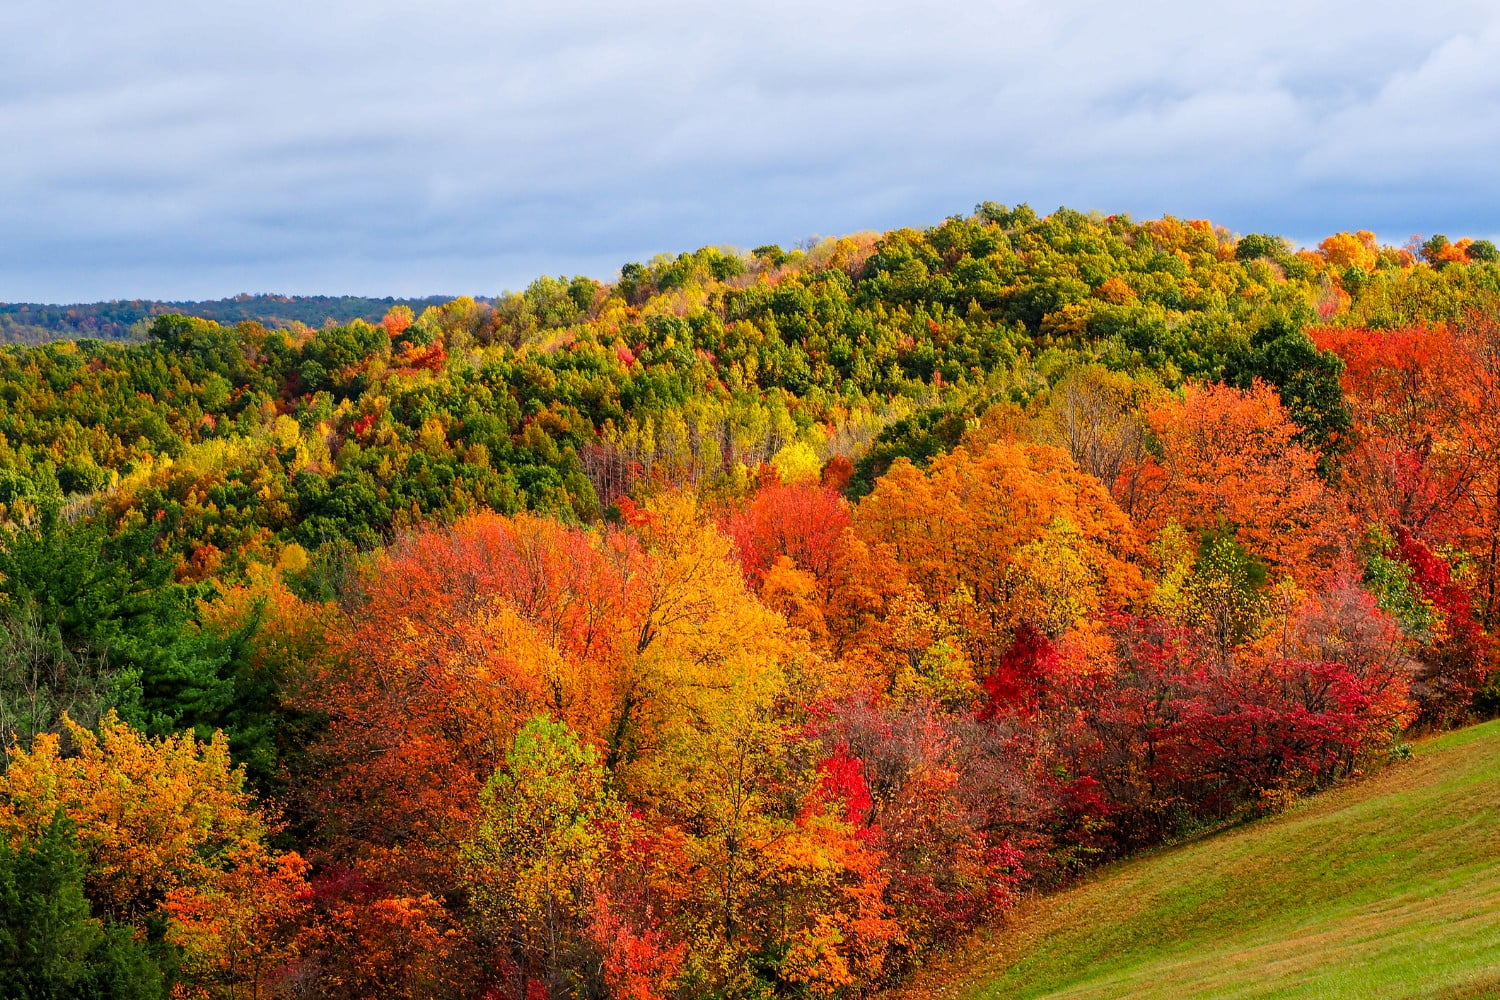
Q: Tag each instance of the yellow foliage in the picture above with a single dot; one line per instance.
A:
(797, 463)
(1115, 291)
(1344, 250)
(166, 826)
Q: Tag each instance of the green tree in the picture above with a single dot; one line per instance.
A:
(1307, 380)
(50, 946)
(537, 855)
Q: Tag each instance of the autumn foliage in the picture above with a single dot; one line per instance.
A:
(747, 628)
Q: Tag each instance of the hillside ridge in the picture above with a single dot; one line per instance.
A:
(126, 319)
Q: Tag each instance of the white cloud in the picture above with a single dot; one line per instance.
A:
(170, 149)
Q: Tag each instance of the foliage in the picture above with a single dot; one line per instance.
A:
(50, 945)
(746, 627)
(169, 837)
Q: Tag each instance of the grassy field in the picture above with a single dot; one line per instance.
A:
(1385, 888)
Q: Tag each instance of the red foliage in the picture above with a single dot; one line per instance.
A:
(365, 941)
(415, 357)
(1169, 731)
(442, 663)
(837, 473)
(640, 960)
(808, 524)
(929, 795)
(1020, 679)
(1404, 388)
(1456, 666)
(843, 781)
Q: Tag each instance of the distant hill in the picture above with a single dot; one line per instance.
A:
(32, 323)
(1385, 888)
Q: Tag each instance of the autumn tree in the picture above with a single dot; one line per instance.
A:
(534, 864)
(1018, 527)
(643, 640)
(1095, 414)
(798, 550)
(1233, 464)
(1409, 465)
(1428, 458)
(167, 832)
(1345, 250)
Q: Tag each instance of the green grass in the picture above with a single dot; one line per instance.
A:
(1389, 887)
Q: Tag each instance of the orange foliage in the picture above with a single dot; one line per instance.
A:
(1426, 407)
(1016, 529)
(397, 319)
(166, 826)
(1232, 461)
(463, 634)
(1116, 291)
(1405, 388)
(1344, 250)
(467, 632)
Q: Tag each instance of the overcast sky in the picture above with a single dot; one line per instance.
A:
(165, 149)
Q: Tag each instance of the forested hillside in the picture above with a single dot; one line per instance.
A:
(31, 323)
(740, 629)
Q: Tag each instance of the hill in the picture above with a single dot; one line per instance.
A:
(744, 628)
(34, 323)
(1387, 888)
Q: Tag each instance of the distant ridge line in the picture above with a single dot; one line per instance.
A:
(126, 319)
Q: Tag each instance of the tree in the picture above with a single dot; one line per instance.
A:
(1427, 404)
(1216, 588)
(1233, 463)
(1017, 527)
(1305, 377)
(639, 639)
(1408, 465)
(94, 621)
(798, 551)
(1095, 415)
(806, 523)
(924, 788)
(167, 832)
(50, 944)
(1344, 250)
(534, 864)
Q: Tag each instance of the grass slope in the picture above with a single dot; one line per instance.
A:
(1385, 888)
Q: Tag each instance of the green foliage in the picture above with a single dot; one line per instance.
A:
(1256, 245)
(50, 946)
(1216, 586)
(1307, 379)
(535, 860)
(1391, 580)
(31, 323)
(1484, 251)
(918, 439)
(93, 620)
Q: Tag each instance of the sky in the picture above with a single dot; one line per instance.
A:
(173, 150)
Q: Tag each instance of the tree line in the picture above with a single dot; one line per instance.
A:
(744, 628)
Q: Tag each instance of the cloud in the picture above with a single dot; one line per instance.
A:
(168, 149)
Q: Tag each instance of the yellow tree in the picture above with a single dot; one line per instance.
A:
(1019, 527)
(167, 830)
(535, 861)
